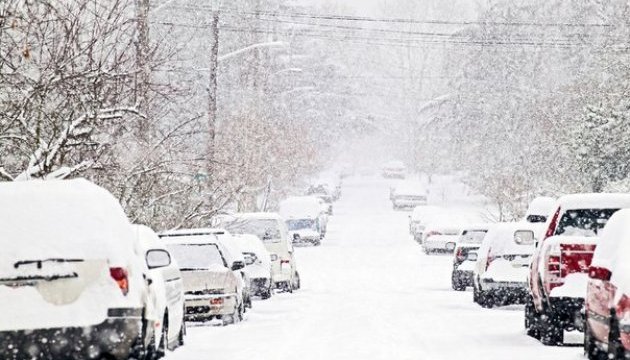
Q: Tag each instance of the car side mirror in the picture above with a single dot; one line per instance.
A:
(524, 237)
(250, 259)
(471, 256)
(237, 265)
(158, 258)
(599, 273)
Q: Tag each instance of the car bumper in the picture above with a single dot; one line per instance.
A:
(202, 307)
(439, 246)
(115, 338)
(260, 286)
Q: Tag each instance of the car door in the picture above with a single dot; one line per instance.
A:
(174, 287)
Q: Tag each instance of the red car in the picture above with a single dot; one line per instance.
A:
(607, 333)
(559, 269)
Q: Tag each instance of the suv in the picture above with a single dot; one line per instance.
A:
(463, 264)
(607, 332)
(559, 269)
(407, 196)
(71, 277)
(211, 281)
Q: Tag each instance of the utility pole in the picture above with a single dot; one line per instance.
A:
(143, 79)
(212, 88)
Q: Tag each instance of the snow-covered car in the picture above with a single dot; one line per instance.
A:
(408, 196)
(500, 273)
(540, 209)
(559, 273)
(71, 275)
(211, 281)
(258, 264)
(272, 230)
(464, 261)
(166, 291)
(305, 219)
(394, 170)
(440, 237)
(607, 331)
(419, 219)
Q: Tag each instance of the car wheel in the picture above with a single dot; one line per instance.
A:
(266, 294)
(456, 283)
(486, 300)
(182, 334)
(531, 319)
(551, 332)
(297, 281)
(616, 349)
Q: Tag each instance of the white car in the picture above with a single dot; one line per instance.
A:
(439, 237)
(419, 219)
(408, 196)
(71, 277)
(272, 230)
(211, 281)
(394, 170)
(166, 290)
(305, 218)
(465, 255)
(500, 274)
(258, 265)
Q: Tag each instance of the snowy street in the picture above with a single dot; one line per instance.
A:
(370, 293)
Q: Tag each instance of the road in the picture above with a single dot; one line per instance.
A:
(370, 293)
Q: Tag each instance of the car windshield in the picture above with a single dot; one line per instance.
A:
(472, 236)
(266, 229)
(301, 224)
(193, 256)
(583, 222)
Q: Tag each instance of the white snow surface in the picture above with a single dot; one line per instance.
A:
(595, 201)
(613, 249)
(368, 292)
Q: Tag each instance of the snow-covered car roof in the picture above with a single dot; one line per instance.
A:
(423, 210)
(189, 236)
(410, 188)
(300, 207)
(62, 219)
(479, 226)
(542, 205)
(147, 238)
(500, 238)
(595, 201)
(257, 216)
(250, 243)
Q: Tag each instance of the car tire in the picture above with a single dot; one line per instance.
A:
(297, 282)
(486, 300)
(182, 334)
(456, 283)
(616, 349)
(317, 243)
(266, 294)
(531, 319)
(591, 350)
(551, 332)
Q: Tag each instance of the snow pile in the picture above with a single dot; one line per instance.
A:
(542, 206)
(595, 201)
(613, 249)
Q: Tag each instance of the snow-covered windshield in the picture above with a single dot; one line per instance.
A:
(301, 224)
(472, 236)
(266, 229)
(193, 256)
(583, 222)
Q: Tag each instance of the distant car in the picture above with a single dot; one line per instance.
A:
(167, 288)
(465, 257)
(408, 196)
(70, 273)
(272, 230)
(559, 273)
(211, 283)
(540, 209)
(440, 237)
(394, 170)
(607, 333)
(305, 218)
(419, 218)
(258, 265)
(500, 273)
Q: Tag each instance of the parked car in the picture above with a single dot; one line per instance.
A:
(500, 273)
(419, 218)
(464, 261)
(394, 170)
(71, 277)
(211, 281)
(408, 196)
(166, 290)
(440, 237)
(540, 209)
(607, 332)
(272, 230)
(305, 219)
(559, 272)
(258, 265)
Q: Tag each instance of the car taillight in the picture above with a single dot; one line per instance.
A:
(284, 262)
(554, 271)
(459, 255)
(552, 224)
(489, 259)
(216, 301)
(121, 277)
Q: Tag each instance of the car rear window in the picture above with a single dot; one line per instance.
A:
(196, 256)
(583, 222)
